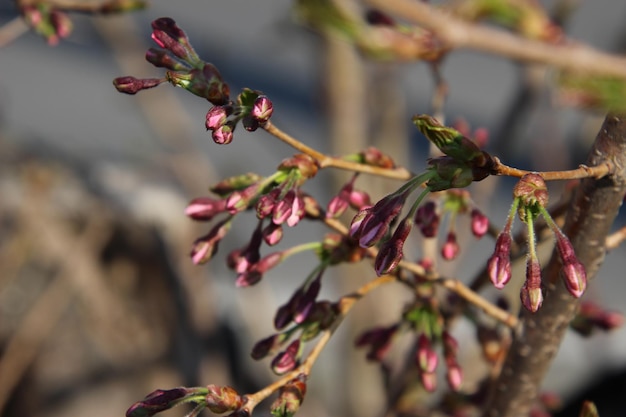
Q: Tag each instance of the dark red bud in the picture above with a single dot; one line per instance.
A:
(132, 85)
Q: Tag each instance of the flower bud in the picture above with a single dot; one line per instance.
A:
(266, 346)
(205, 247)
(161, 59)
(158, 401)
(499, 265)
(216, 117)
(373, 156)
(531, 189)
(238, 182)
(205, 208)
(450, 248)
(288, 359)
(376, 17)
(359, 199)
(451, 173)
(132, 85)
(572, 271)
(427, 219)
(262, 109)
(272, 234)
(531, 294)
(454, 375)
(305, 164)
(480, 223)
(376, 224)
(290, 397)
(222, 399)
(426, 357)
(429, 381)
(390, 253)
(223, 135)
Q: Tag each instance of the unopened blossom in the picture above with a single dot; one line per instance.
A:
(378, 340)
(531, 294)
(480, 223)
(450, 248)
(499, 264)
(427, 219)
(222, 399)
(205, 208)
(390, 253)
(290, 397)
(288, 359)
(426, 356)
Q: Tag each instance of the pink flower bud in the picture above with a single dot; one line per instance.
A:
(450, 248)
(359, 199)
(205, 247)
(262, 109)
(426, 357)
(288, 359)
(572, 271)
(272, 234)
(216, 116)
(429, 381)
(290, 397)
(454, 375)
(205, 208)
(305, 303)
(499, 265)
(373, 156)
(223, 135)
(531, 294)
(336, 206)
(480, 223)
(390, 253)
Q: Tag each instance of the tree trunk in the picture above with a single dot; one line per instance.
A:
(589, 219)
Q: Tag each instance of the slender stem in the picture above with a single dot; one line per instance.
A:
(344, 306)
(326, 161)
(454, 33)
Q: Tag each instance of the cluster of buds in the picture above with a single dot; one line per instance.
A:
(530, 198)
(591, 316)
(424, 321)
(252, 108)
(185, 69)
(348, 196)
(277, 198)
(308, 318)
(217, 399)
(47, 21)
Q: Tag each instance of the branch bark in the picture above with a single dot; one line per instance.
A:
(593, 210)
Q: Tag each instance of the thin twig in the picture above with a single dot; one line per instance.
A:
(457, 33)
(326, 161)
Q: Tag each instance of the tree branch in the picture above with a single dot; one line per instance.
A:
(592, 212)
(457, 33)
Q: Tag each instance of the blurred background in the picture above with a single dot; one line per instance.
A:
(99, 301)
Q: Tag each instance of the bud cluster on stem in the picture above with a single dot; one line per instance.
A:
(530, 198)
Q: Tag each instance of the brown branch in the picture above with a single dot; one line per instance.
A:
(615, 239)
(12, 30)
(583, 171)
(591, 214)
(326, 161)
(457, 33)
